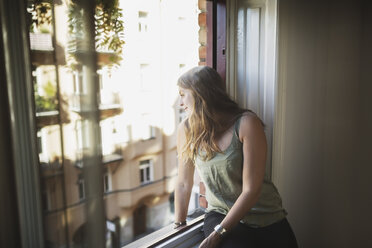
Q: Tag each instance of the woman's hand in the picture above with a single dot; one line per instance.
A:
(211, 241)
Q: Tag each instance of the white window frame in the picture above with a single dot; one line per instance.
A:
(148, 176)
(251, 66)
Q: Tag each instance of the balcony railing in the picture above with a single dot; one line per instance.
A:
(52, 165)
(115, 156)
(108, 158)
(46, 108)
(79, 103)
(109, 104)
(76, 46)
(41, 42)
(109, 98)
(41, 49)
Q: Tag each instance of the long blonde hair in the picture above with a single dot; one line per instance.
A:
(213, 113)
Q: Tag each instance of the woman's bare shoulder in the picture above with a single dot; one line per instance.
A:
(249, 123)
(249, 117)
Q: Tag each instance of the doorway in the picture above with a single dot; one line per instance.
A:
(139, 220)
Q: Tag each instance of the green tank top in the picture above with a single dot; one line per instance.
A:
(222, 176)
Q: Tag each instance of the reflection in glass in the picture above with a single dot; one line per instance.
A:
(107, 124)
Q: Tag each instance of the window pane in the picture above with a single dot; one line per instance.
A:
(142, 175)
(148, 174)
(137, 107)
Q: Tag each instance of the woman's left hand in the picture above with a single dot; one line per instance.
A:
(211, 241)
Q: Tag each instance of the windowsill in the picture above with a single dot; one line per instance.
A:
(147, 183)
(185, 237)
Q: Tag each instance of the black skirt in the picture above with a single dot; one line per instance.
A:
(277, 235)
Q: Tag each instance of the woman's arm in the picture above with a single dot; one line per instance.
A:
(251, 133)
(185, 178)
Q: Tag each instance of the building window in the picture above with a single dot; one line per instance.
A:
(42, 146)
(146, 171)
(142, 22)
(82, 140)
(148, 130)
(107, 92)
(81, 187)
(108, 137)
(79, 87)
(100, 74)
(82, 134)
(106, 182)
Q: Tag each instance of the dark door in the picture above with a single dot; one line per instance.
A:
(139, 220)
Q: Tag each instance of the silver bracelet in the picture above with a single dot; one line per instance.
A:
(220, 230)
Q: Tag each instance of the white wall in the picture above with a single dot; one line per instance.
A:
(322, 139)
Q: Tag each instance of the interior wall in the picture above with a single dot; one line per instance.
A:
(322, 139)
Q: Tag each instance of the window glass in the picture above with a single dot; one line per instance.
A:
(133, 85)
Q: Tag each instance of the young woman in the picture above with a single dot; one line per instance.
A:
(227, 145)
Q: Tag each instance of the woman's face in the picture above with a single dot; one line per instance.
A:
(187, 100)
